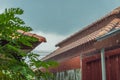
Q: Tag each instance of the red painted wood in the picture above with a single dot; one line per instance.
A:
(91, 66)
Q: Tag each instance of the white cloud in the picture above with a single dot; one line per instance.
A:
(49, 46)
(1, 11)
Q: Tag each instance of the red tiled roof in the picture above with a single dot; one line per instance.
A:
(114, 12)
(40, 38)
(114, 24)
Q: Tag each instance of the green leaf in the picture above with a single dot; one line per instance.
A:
(12, 56)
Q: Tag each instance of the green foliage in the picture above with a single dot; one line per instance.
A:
(12, 56)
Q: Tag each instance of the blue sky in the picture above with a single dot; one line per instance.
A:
(57, 19)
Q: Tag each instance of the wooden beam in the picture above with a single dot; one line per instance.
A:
(111, 41)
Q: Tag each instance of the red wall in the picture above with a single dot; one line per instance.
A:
(73, 63)
(91, 66)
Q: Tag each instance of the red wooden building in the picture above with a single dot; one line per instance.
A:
(92, 53)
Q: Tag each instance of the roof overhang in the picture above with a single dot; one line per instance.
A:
(35, 44)
(109, 40)
(27, 48)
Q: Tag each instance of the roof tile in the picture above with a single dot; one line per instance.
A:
(88, 38)
(40, 38)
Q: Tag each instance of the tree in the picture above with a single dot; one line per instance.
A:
(12, 56)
